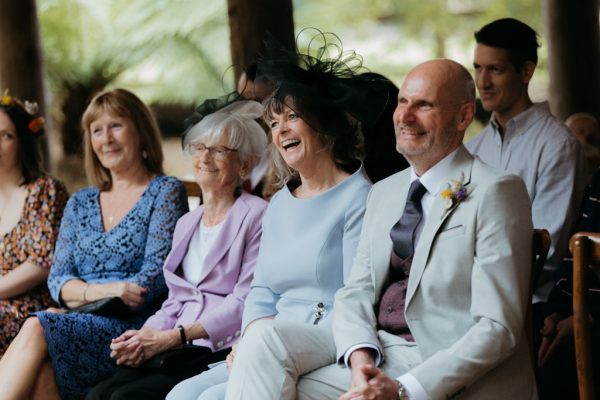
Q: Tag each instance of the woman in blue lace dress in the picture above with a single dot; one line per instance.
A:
(113, 240)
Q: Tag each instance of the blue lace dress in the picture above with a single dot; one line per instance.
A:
(134, 250)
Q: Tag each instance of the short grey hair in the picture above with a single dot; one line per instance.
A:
(238, 123)
(581, 115)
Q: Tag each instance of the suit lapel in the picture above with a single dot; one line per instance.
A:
(391, 204)
(436, 217)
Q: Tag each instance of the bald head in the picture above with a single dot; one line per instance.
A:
(449, 77)
(436, 104)
(584, 126)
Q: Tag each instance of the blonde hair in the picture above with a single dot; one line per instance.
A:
(124, 104)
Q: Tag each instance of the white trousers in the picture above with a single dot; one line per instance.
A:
(286, 360)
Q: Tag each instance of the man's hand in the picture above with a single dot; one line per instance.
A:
(554, 332)
(358, 359)
(379, 386)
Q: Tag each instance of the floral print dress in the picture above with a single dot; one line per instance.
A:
(32, 239)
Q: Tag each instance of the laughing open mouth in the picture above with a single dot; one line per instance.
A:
(289, 143)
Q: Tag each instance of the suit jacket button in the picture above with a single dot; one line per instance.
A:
(389, 309)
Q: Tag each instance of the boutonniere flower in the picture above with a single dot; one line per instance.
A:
(454, 193)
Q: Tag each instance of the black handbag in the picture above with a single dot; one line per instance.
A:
(113, 307)
(178, 358)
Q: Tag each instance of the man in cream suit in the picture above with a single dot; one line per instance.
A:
(445, 319)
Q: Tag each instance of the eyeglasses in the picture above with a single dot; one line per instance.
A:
(216, 152)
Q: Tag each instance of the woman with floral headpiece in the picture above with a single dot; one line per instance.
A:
(210, 266)
(31, 207)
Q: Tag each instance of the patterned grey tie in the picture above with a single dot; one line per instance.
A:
(403, 232)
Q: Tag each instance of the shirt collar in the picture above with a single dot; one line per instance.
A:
(435, 177)
(520, 123)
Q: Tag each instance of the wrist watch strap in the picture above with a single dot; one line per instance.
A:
(402, 393)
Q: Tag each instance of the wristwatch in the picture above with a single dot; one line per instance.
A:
(402, 393)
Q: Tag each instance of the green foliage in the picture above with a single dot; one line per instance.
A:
(394, 35)
(178, 50)
(168, 50)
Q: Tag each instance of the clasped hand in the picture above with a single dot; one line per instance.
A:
(369, 382)
(134, 347)
(555, 331)
(132, 294)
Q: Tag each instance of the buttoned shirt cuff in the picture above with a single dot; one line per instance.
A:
(413, 387)
(378, 357)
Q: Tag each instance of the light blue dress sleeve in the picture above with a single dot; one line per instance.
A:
(352, 228)
(261, 301)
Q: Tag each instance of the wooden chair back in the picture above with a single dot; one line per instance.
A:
(585, 247)
(540, 246)
(194, 193)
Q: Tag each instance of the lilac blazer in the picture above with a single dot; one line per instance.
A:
(217, 302)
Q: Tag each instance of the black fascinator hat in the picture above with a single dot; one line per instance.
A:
(325, 87)
(208, 107)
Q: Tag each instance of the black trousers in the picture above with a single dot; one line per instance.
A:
(150, 383)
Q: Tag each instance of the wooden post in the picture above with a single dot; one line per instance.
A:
(249, 21)
(581, 248)
(21, 60)
(573, 56)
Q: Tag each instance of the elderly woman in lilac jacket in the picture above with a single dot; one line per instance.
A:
(210, 266)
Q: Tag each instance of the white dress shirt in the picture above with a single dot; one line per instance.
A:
(539, 148)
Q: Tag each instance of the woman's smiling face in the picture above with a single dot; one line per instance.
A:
(295, 140)
(9, 144)
(217, 172)
(116, 142)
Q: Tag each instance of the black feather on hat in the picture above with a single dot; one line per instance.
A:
(325, 85)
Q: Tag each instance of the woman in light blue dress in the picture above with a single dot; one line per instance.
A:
(113, 240)
(312, 225)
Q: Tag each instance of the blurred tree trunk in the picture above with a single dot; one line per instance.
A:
(573, 56)
(440, 46)
(21, 60)
(250, 20)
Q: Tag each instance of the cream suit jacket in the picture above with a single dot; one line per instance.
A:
(468, 286)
